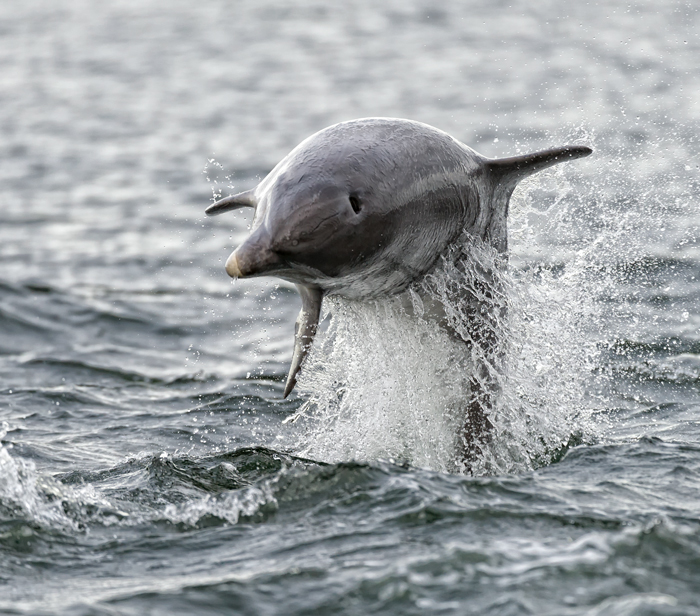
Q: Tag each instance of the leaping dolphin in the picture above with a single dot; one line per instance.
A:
(364, 208)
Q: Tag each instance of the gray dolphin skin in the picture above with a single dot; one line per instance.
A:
(363, 208)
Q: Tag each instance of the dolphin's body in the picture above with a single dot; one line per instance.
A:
(364, 208)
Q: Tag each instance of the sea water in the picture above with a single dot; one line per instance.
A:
(148, 463)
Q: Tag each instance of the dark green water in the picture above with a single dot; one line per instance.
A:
(148, 464)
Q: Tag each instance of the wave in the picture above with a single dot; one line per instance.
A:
(258, 484)
(149, 489)
(375, 523)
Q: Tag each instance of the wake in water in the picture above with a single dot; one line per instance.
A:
(393, 378)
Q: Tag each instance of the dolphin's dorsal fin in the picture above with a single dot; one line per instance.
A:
(509, 171)
(244, 199)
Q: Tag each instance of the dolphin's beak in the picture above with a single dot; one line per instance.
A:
(253, 258)
(232, 266)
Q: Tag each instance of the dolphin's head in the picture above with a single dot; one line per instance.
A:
(307, 228)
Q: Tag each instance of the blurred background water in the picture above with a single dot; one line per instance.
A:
(145, 463)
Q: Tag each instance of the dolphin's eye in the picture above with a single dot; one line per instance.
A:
(355, 204)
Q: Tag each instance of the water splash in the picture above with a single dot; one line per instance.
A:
(381, 386)
(391, 379)
(216, 176)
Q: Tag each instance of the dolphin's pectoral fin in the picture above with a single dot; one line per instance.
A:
(304, 331)
(244, 199)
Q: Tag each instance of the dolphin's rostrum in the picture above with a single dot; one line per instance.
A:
(364, 208)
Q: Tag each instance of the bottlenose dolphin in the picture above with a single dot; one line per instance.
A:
(364, 208)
